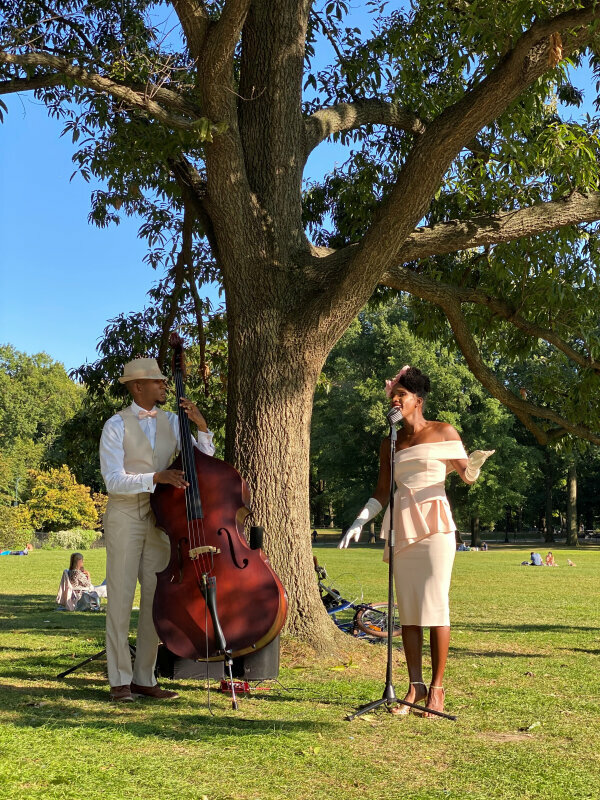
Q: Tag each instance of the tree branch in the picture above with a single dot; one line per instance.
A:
(503, 310)
(224, 34)
(180, 263)
(133, 98)
(523, 410)
(204, 370)
(31, 84)
(195, 22)
(347, 116)
(446, 136)
(506, 226)
(400, 277)
(193, 191)
(449, 299)
(54, 15)
(404, 279)
(483, 231)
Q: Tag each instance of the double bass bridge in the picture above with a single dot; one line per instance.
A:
(208, 549)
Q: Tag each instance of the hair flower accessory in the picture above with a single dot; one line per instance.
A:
(389, 385)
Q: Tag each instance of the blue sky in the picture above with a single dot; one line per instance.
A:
(61, 278)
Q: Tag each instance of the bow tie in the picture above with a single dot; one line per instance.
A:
(143, 414)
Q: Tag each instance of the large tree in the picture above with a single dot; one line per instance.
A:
(451, 113)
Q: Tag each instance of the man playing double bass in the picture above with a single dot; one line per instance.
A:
(136, 447)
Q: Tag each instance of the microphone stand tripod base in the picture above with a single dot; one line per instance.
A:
(376, 703)
(389, 698)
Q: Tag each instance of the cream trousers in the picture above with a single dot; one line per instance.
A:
(135, 550)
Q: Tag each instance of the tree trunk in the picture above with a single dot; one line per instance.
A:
(506, 524)
(549, 535)
(475, 534)
(572, 539)
(273, 372)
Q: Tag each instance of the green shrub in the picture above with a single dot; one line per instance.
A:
(58, 502)
(74, 539)
(15, 533)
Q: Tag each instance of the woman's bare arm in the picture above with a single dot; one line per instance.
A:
(459, 464)
(382, 490)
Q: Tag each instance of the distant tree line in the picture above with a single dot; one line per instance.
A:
(50, 426)
(524, 484)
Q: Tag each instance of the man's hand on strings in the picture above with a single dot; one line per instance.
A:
(174, 477)
(194, 414)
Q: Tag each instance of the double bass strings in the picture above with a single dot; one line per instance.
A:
(193, 500)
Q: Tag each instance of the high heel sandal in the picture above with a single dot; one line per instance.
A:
(435, 716)
(402, 710)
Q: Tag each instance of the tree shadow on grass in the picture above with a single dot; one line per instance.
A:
(460, 651)
(40, 613)
(185, 719)
(523, 628)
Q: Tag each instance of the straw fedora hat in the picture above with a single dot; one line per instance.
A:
(142, 369)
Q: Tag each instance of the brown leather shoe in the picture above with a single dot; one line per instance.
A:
(155, 692)
(121, 694)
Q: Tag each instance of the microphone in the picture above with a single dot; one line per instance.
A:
(394, 415)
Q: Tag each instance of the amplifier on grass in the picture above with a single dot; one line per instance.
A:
(260, 666)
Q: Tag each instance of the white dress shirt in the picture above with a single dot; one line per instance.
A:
(112, 454)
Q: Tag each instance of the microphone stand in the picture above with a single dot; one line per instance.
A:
(394, 416)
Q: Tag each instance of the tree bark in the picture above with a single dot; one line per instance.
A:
(475, 532)
(507, 524)
(572, 539)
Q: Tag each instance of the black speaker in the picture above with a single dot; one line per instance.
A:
(168, 665)
(260, 666)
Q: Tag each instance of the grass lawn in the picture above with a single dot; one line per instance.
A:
(522, 678)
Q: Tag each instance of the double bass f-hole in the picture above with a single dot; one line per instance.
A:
(222, 531)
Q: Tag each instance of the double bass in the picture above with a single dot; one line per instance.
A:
(217, 598)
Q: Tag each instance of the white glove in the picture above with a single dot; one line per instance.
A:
(474, 463)
(369, 512)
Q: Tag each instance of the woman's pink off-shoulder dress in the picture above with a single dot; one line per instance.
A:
(424, 531)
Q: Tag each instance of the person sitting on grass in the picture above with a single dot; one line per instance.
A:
(550, 562)
(80, 577)
(536, 560)
(76, 591)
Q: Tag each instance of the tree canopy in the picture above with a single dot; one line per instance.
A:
(37, 397)
(469, 186)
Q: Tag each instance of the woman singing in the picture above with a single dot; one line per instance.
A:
(426, 451)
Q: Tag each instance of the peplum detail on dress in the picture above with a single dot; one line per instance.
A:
(421, 507)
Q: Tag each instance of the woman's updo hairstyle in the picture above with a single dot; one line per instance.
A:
(415, 381)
